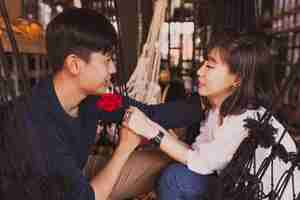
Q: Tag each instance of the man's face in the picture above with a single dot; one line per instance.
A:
(96, 74)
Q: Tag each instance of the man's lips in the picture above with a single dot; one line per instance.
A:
(106, 83)
(103, 87)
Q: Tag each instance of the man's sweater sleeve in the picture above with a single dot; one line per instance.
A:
(169, 115)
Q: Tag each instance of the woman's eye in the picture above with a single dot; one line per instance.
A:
(210, 66)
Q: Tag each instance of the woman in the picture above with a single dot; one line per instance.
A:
(236, 83)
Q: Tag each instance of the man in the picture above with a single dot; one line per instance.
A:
(62, 109)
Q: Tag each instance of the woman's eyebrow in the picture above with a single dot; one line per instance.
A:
(211, 59)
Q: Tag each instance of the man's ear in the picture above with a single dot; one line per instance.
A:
(73, 64)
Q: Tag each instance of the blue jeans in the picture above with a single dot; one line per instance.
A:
(177, 182)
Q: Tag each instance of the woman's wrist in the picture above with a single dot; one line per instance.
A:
(158, 138)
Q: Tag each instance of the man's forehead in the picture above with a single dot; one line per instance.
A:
(100, 54)
(108, 54)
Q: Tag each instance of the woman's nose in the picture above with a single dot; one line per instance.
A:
(200, 71)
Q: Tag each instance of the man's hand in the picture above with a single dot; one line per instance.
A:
(105, 180)
(137, 121)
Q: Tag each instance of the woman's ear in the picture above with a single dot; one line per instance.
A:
(73, 64)
(237, 82)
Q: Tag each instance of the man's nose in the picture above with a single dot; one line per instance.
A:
(112, 68)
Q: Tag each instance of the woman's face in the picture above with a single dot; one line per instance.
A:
(215, 81)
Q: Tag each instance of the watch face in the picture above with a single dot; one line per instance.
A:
(157, 139)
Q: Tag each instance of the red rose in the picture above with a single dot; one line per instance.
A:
(109, 102)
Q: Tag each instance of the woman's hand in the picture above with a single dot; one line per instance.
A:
(137, 121)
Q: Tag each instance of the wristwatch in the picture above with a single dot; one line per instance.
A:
(157, 139)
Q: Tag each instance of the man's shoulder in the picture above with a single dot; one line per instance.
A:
(36, 104)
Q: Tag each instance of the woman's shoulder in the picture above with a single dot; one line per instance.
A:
(245, 114)
(254, 114)
(257, 115)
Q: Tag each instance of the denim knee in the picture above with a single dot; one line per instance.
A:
(168, 176)
(178, 182)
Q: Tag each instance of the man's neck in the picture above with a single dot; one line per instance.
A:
(68, 93)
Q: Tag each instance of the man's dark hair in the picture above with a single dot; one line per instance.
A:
(248, 56)
(78, 31)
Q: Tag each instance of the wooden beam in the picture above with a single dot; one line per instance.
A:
(129, 35)
(14, 8)
(128, 15)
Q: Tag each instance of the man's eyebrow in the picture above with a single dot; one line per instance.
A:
(108, 55)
